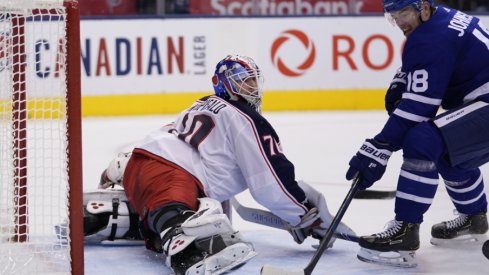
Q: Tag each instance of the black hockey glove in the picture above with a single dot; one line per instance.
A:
(393, 95)
(370, 161)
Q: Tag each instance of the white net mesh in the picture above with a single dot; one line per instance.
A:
(33, 138)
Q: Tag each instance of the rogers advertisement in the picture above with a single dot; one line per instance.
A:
(174, 56)
(284, 7)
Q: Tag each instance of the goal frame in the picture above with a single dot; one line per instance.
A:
(74, 146)
(74, 112)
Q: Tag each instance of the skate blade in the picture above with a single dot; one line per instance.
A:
(468, 240)
(230, 258)
(404, 259)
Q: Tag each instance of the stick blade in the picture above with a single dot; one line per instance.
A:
(273, 270)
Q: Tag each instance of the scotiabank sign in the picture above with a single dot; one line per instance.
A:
(284, 7)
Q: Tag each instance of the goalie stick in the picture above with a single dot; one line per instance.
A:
(269, 219)
(271, 270)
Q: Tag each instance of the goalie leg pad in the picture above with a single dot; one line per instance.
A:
(205, 243)
(209, 221)
(110, 220)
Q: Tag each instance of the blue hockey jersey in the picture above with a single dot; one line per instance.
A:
(446, 60)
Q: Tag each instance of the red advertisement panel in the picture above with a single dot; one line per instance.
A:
(108, 7)
(284, 7)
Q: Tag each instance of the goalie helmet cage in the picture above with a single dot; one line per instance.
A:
(41, 215)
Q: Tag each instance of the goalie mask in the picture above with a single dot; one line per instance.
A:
(395, 10)
(239, 77)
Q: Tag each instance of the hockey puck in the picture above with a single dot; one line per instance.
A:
(485, 249)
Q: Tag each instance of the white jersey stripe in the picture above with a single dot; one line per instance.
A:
(482, 90)
(411, 197)
(417, 178)
(469, 201)
(467, 189)
(421, 99)
(409, 116)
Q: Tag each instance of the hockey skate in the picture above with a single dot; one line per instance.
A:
(464, 229)
(206, 243)
(395, 246)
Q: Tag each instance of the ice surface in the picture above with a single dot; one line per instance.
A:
(320, 144)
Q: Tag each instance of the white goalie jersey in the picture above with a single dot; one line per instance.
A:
(229, 147)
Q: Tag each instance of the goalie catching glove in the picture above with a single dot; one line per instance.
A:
(317, 220)
(114, 172)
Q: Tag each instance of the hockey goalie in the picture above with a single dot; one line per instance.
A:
(176, 178)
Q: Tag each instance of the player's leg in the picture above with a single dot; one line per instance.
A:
(460, 136)
(466, 190)
(205, 243)
(466, 134)
(162, 195)
(186, 228)
(416, 189)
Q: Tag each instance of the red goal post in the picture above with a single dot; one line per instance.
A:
(41, 215)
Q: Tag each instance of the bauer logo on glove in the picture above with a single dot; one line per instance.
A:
(382, 156)
(370, 162)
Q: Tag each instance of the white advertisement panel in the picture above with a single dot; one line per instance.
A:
(156, 55)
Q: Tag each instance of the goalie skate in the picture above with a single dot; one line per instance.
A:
(206, 243)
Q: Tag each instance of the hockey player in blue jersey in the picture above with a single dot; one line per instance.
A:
(445, 63)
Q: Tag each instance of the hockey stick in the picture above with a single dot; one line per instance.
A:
(374, 194)
(269, 219)
(271, 270)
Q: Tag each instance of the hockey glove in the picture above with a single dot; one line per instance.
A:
(370, 161)
(315, 223)
(393, 95)
(304, 229)
(114, 172)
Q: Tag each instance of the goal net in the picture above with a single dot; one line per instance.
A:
(41, 227)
